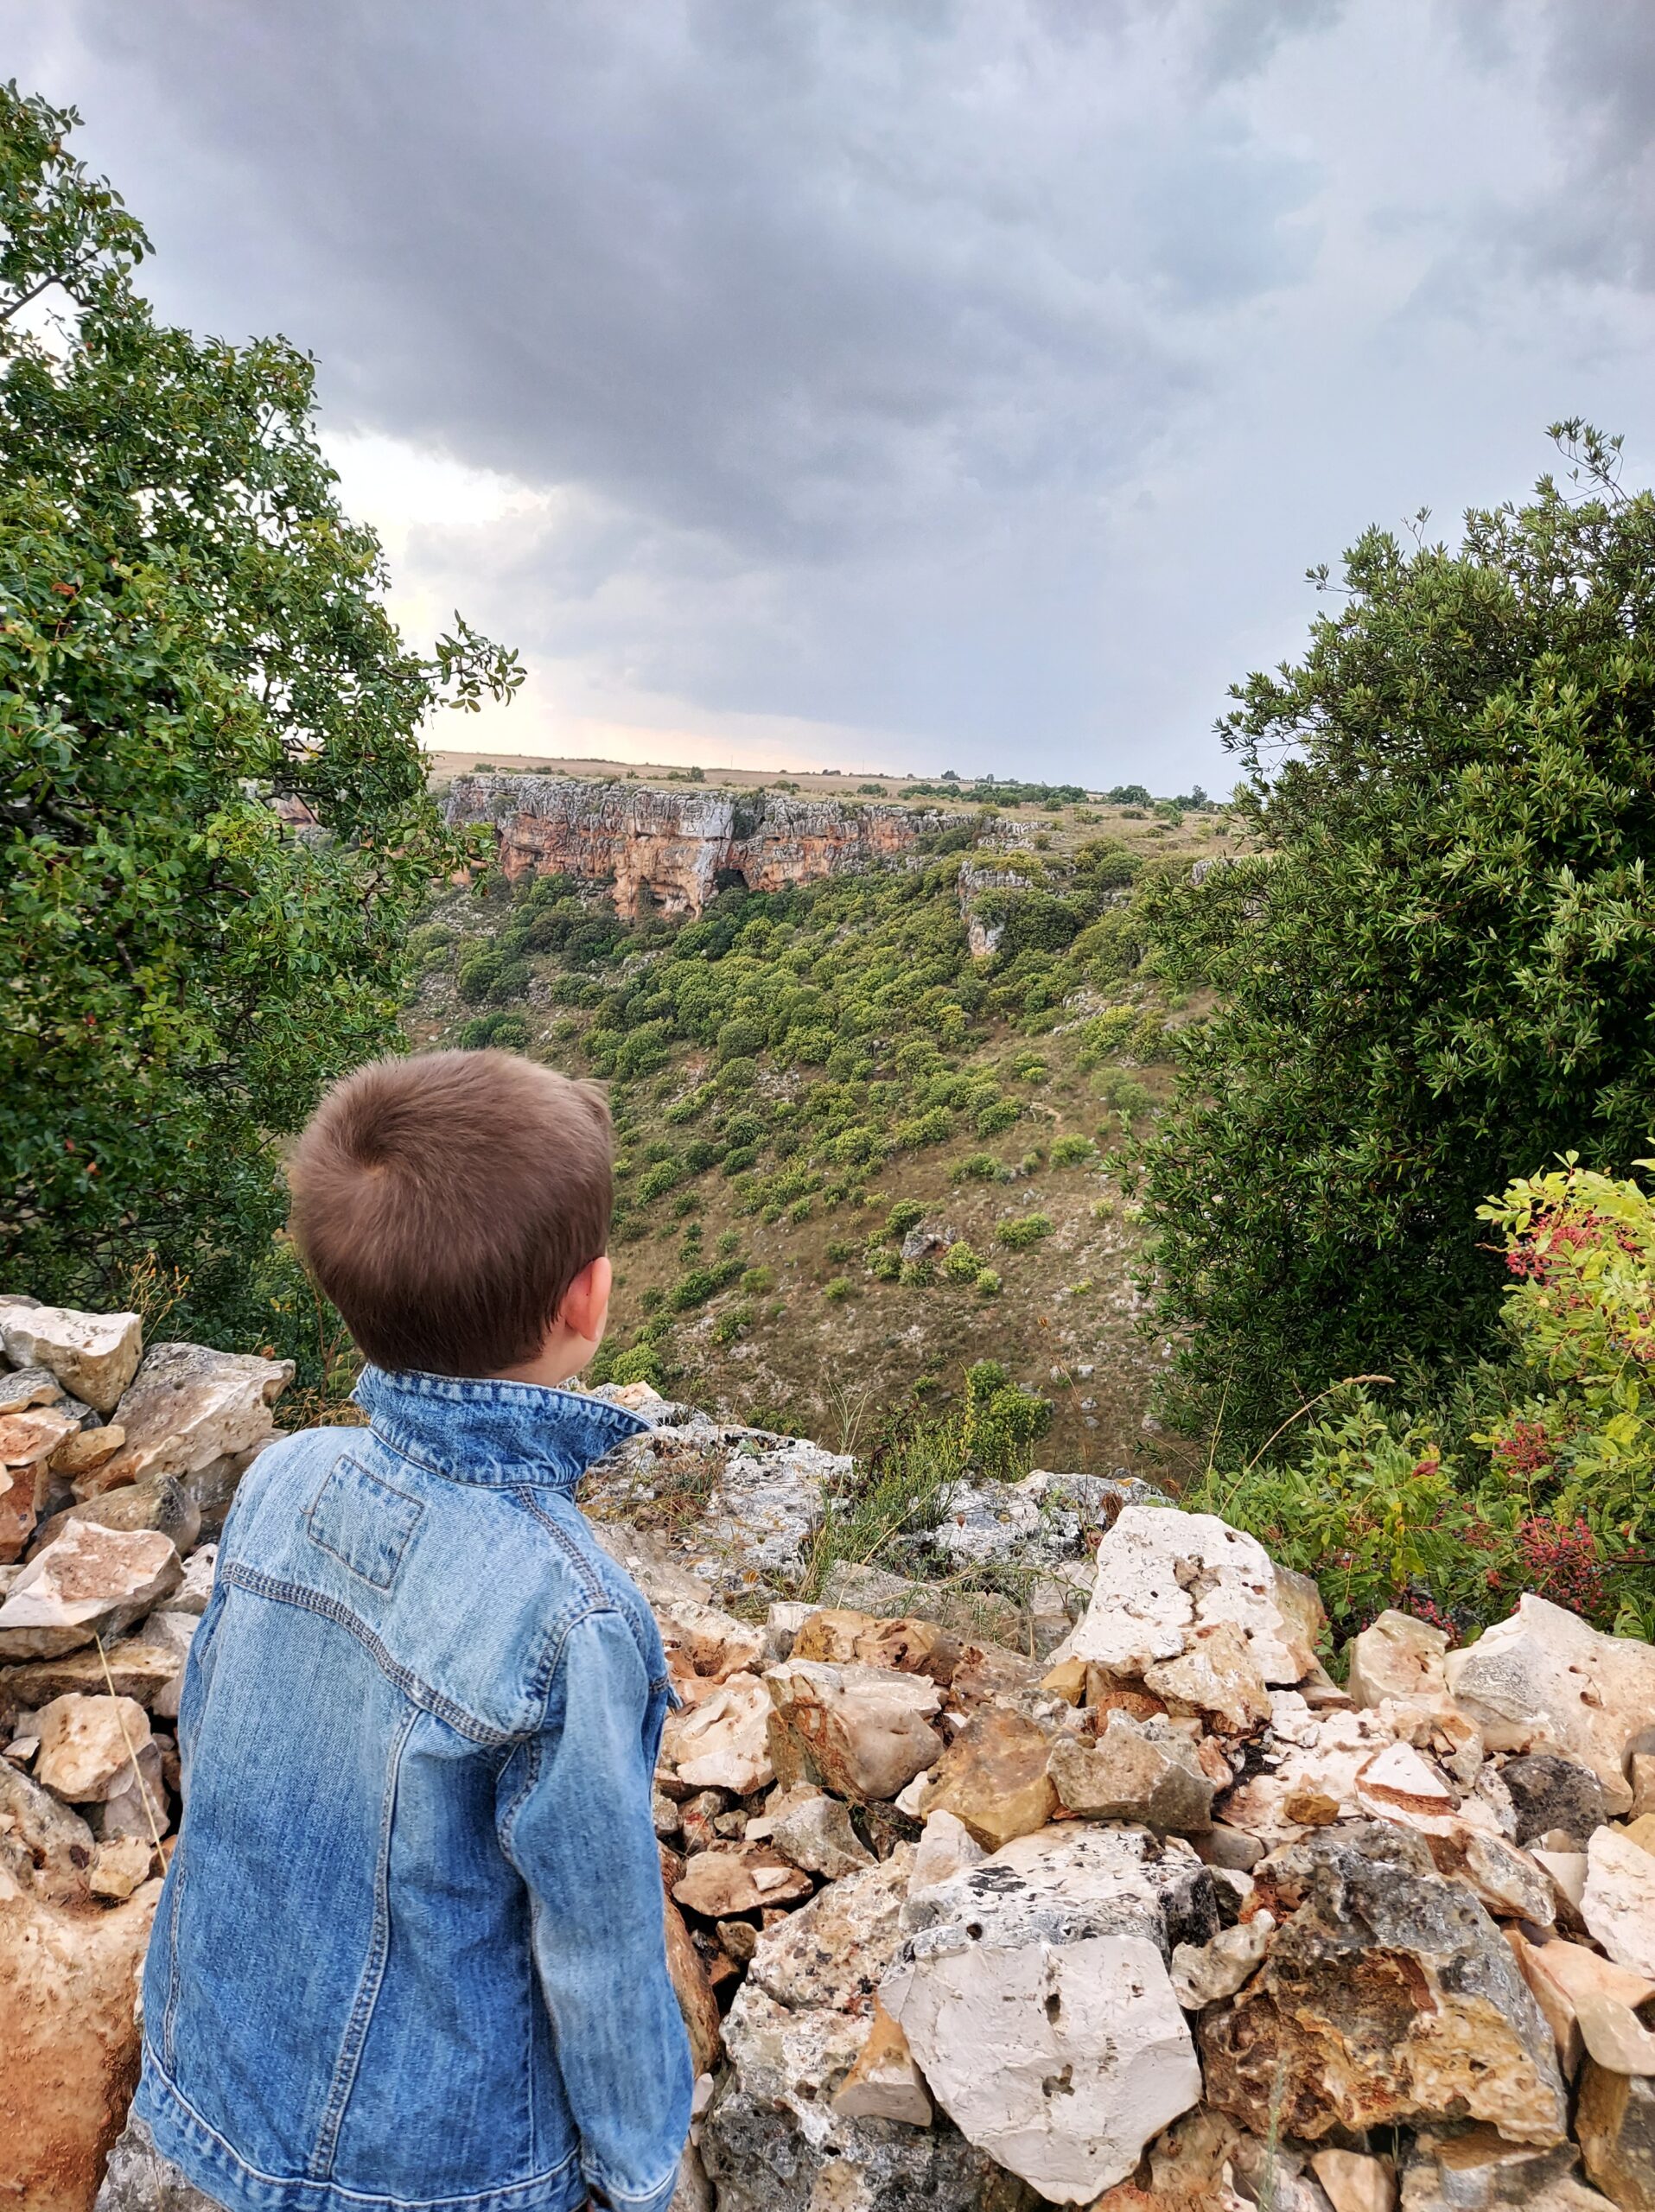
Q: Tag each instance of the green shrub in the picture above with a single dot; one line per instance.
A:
(988, 1284)
(509, 1032)
(756, 1280)
(920, 1129)
(477, 973)
(739, 1158)
(1442, 974)
(1073, 1152)
(992, 1121)
(836, 1291)
(736, 1322)
(1022, 1231)
(961, 1264)
(883, 1263)
(906, 1214)
(658, 1179)
(976, 1167)
(916, 1275)
(642, 1364)
(1003, 1423)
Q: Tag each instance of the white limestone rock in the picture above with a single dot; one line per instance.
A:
(816, 1835)
(1618, 1900)
(1161, 1575)
(771, 2139)
(89, 1581)
(719, 1743)
(93, 1356)
(187, 1406)
(1397, 1656)
(1033, 1992)
(1543, 1681)
(946, 1848)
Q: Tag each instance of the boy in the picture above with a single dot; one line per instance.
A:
(409, 1952)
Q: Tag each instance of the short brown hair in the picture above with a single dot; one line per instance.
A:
(446, 1202)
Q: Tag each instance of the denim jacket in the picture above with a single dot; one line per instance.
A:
(410, 1951)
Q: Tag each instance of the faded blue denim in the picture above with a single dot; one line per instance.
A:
(410, 1951)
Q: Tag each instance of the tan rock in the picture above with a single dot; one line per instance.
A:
(91, 1581)
(1614, 2121)
(27, 1442)
(738, 1877)
(1618, 1901)
(93, 1356)
(1397, 1656)
(1386, 1996)
(1566, 1871)
(1543, 1681)
(1464, 2170)
(862, 1731)
(885, 2083)
(1162, 1574)
(186, 1406)
(1354, 2181)
(1641, 1831)
(87, 1449)
(1396, 1784)
(1508, 1881)
(159, 1503)
(694, 1992)
(993, 1778)
(195, 1591)
(701, 1641)
(87, 1747)
(1614, 2035)
(910, 1646)
(119, 1868)
(1216, 1680)
(1561, 1974)
(1136, 1771)
(69, 1991)
(720, 1743)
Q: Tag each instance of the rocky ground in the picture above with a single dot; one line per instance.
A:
(1114, 1897)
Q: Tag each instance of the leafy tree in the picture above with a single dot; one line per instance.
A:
(1439, 968)
(213, 806)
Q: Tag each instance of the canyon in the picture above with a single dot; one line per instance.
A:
(671, 851)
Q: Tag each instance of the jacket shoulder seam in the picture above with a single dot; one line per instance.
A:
(412, 1685)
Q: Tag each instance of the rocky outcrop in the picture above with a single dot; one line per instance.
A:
(1163, 1922)
(672, 850)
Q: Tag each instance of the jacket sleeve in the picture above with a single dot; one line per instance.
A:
(574, 1821)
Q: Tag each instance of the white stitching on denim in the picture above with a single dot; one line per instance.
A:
(367, 1992)
(316, 1601)
(379, 1483)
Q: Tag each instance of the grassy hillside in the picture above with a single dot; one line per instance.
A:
(804, 1083)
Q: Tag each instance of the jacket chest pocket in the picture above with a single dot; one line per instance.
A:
(363, 1521)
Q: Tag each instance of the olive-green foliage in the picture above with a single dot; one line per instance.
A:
(189, 627)
(1443, 971)
(1023, 1229)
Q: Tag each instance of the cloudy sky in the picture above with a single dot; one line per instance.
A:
(895, 383)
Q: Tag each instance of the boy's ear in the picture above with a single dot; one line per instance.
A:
(586, 1302)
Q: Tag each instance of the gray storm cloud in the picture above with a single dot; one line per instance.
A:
(979, 376)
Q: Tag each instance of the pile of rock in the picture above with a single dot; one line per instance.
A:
(1132, 1906)
(1167, 1919)
(115, 1468)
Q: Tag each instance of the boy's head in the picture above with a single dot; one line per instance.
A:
(455, 1208)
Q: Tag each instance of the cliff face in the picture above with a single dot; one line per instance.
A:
(672, 850)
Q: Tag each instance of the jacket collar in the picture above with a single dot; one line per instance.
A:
(498, 1434)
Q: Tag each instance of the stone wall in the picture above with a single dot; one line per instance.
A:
(672, 850)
